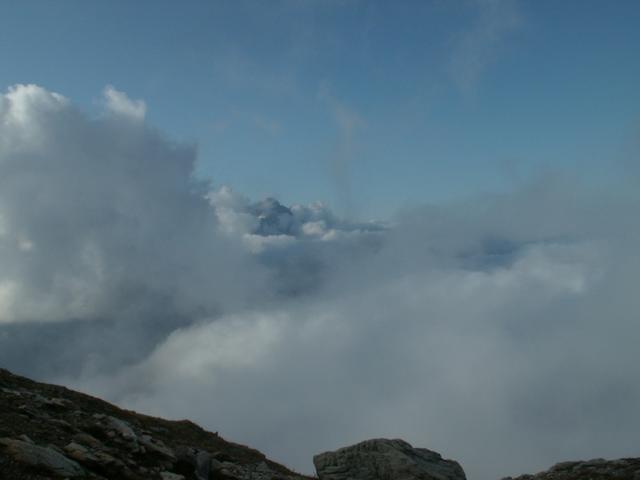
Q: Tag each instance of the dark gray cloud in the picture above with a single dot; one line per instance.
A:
(500, 330)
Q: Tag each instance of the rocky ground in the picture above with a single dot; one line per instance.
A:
(598, 469)
(50, 432)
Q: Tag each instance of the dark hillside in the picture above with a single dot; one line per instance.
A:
(48, 430)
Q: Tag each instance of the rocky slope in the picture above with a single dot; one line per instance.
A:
(48, 432)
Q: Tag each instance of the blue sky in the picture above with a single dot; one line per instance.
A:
(366, 105)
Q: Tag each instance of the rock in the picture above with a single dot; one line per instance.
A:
(598, 468)
(122, 427)
(62, 423)
(215, 465)
(57, 403)
(109, 461)
(159, 429)
(195, 461)
(25, 438)
(247, 471)
(171, 476)
(156, 446)
(88, 440)
(99, 460)
(10, 391)
(382, 459)
(41, 457)
(48, 432)
(80, 453)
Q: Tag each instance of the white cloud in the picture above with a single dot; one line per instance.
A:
(25, 111)
(461, 361)
(100, 216)
(485, 330)
(120, 104)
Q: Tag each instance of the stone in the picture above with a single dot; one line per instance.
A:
(107, 460)
(215, 465)
(62, 423)
(156, 446)
(122, 427)
(41, 457)
(198, 461)
(383, 459)
(598, 468)
(11, 391)
(25, 438)
(57, 403)
(171, 476)
(80, 453)
(246, 471)
(88, 440)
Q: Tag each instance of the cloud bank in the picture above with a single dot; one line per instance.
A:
(103, 221)
(500, 330)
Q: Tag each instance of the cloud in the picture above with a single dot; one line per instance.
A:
(507, 367)
(237, 215)
(297, 243)
(500, 330)
(102, 220)
(477, 47)
(119, 103)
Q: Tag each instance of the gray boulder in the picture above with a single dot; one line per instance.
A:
(599, 468)
(198, 460)
(382, 459)
(42, 457)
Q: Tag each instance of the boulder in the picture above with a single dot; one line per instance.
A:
(383, 459)
(41, 457)
(171, 476)
(79, 453)
(121, 427)
(156, 446)
(194, 461)
(598, 468)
